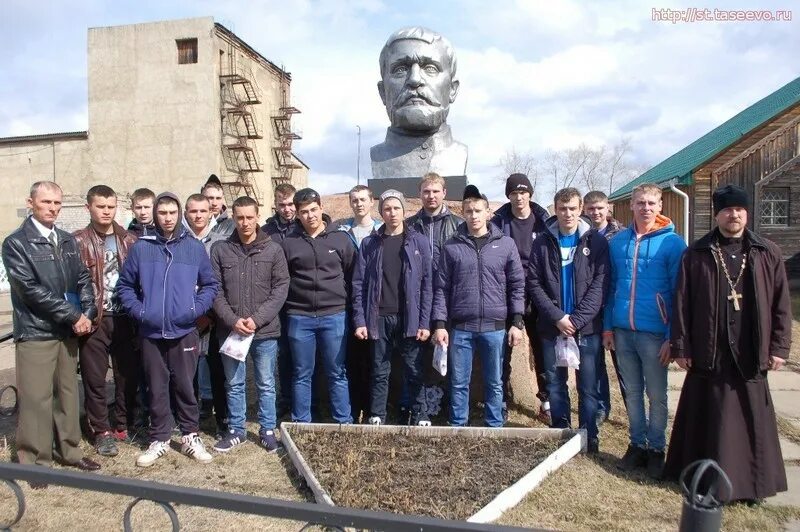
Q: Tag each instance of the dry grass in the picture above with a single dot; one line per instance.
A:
(592, 494)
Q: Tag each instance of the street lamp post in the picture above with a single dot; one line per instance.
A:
(358, 157)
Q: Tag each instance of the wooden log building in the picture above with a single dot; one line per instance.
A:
(756, 149)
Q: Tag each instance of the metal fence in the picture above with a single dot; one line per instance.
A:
(165, 495)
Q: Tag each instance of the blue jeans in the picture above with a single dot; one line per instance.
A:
(637, 356)
(204, 378)
(306, 333)
(586, 376)
(264, 353)
(462, 348)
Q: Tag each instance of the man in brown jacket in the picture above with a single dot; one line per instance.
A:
(254, 281)
(103, 246)
(731, 325)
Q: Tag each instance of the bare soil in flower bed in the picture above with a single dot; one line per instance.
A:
(447, 477)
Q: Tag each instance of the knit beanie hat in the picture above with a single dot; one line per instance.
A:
(730, 196)
(518, 182)
(392, 193)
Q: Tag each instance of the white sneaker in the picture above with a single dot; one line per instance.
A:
(374, 420)
(156, 450)
(192, 446)
(423, 423)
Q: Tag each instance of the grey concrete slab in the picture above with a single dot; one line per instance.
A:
(792, 526)
(784, 380)
(792, 496)
(789, 449)
(787, 403)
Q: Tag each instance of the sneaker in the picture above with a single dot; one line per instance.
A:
(192, 446)
(424, 422)
(156, 450)
(269, 441)
(375, 420)
(104, 444)
(228, 442)
(634, 457)
(206, 408)
(655, 464)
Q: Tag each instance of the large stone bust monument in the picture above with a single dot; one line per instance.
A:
(418, 84)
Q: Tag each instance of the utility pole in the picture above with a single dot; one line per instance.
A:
(358, 157)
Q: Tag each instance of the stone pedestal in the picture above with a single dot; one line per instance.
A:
(409, 186)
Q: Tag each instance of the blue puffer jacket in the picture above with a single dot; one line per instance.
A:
(589, 286)
(644, 273)
(476, 291)
(417, 283)
(166, 284)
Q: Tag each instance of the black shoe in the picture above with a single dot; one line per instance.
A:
(634, 457)
(105, 444)
(85, 464)
(655, 464)
(593, 447)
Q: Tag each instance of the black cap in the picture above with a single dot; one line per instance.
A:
(518, 182)
(472, 192)
(730, 196)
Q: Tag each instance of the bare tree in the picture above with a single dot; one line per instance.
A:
(515, 162)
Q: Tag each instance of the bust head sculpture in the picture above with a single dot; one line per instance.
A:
(418, 83)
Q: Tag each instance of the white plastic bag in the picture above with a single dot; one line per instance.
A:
(236, 346)
(567, 353)
(440, 359)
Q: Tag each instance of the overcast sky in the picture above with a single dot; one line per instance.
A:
(535, 75)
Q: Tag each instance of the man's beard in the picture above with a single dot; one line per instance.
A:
(421, 118)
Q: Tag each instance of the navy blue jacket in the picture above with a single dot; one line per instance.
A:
(502, 219)
(417, 283)
(476, 291)
(591, 275)
(165, 285)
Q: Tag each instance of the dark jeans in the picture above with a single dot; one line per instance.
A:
(114, 337)
(284, 365)
(358, 375)
(170, 366)
(535, 343)
(392, 341)
(217, 373)
(589, 347)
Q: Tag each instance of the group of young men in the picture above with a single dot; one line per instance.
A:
(165, 297)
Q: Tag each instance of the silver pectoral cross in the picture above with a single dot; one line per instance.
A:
(735, 297)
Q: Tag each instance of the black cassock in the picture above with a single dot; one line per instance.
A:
(727, 414)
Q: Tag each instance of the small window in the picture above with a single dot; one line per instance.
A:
(187, 51)
(775, 207)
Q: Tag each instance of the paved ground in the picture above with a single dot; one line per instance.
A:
(785, 388)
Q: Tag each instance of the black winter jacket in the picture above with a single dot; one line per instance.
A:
(40, 276)
(320, 271)
(437, 229)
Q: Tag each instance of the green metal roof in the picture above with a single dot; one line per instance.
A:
(681, 164)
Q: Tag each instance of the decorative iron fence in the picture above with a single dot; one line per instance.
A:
(165, 495)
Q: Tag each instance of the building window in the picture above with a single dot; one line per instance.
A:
(775, 206)
(187, 51)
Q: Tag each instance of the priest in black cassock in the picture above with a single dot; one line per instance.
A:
(731, 325)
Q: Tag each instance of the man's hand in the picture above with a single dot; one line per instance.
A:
(423, 334)
(251, 323)
(684, 363)
(361, 333)
(441, 337)
(776, 363)
(608, 341)
(663, 354)
(514, 336)
(242, 327)
(82, 326)
(565, 326)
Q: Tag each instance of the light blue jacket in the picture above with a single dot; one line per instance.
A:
(644, 273)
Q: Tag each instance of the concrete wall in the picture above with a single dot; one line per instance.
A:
(23, 163)
(153, 122)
